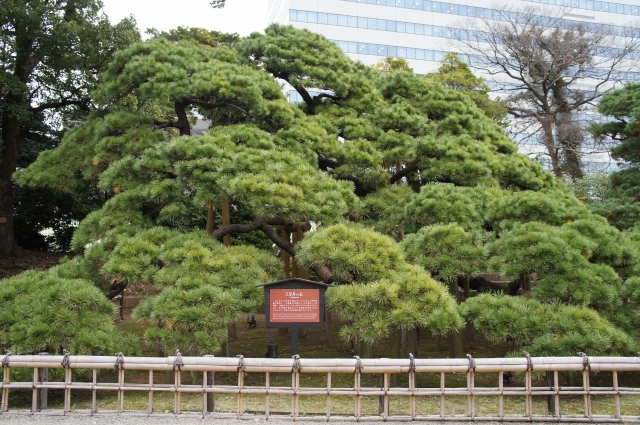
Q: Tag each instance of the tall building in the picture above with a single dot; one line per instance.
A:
(421, 30)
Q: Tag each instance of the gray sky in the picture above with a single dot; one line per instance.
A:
(241, 16)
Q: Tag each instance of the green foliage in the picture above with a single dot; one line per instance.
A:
(43, 311)
(456, 74)
(388, 65)
(200, 36)
(445, 250)
(353, 252)
(545, 329)
(409, 298)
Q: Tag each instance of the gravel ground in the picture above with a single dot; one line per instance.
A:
(182, 420)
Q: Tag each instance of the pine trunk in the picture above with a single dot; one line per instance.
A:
(8, 163)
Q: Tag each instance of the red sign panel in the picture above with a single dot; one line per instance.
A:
(295, 305)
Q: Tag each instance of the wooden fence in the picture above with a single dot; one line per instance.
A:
(383, 368)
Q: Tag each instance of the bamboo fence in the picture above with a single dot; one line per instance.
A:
(296, 366)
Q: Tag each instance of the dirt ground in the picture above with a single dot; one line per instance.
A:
(30, 260)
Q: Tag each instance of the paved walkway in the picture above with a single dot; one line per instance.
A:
(182, 420)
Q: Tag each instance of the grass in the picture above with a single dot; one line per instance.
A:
(252, 342)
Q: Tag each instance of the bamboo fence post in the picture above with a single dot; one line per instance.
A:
(616, 397)
(529, 409)
(295, 386)
(67, 389)
(120, 390)
(587, 394)
(94, 392)
(150, 408)
(177, 383)
(471, 409)
(556, 388)
(266, 398)
(412, 397)
(442, 387)
(240, 394)
(328, 395)
(501, 396)
(4, 406)
(357, 397)
(34, 393)
(43, 378)
(205, 395)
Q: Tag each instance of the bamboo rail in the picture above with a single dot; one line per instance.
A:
(358, 367)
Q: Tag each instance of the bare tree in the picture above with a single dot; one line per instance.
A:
(554, 69)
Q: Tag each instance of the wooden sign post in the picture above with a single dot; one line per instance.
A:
(294, 303)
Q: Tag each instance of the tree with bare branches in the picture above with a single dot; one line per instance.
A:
(553, 69)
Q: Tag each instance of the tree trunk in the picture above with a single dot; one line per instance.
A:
(8, 162)
(455, 345)
(328, 328)
(552, 149)
(211, 218)
(231, 331)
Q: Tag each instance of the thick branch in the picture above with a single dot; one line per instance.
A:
(82, 104)
(403, 173)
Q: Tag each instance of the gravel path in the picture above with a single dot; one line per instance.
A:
(182, 420)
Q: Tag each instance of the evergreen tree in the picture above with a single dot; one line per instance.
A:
(374, 159)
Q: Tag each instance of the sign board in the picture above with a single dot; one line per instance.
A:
(3, 220)
(294, 303)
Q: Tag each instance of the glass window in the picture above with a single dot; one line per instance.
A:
(620, 8)
(426, 5)
(353, 47)
(428, 55)
(391, 26)
(372, 24)
(627, 9)
(428, 30)
(391, 3)
(293, 15)
(322, 18)
(583, 4)
(401, 26)
(352, 21)
(372, 49)
(597, 6)
(382, 24)
(382, 50)
(411, 53)
(419, 29)
(420, 54)
(438, 56)
(402, 52)
(471, 11)
(344, 46)
(605, 6)
(437, 31)
(408, 4)
(417, 4)
(312, 17)
(332, 19)
(362, 48)
(342, 20)
(454, 9)
(590, 4)
(436, 7)
(399, 3)
(392, 51)
(634, 10)
(362, 22)
(411, 28)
